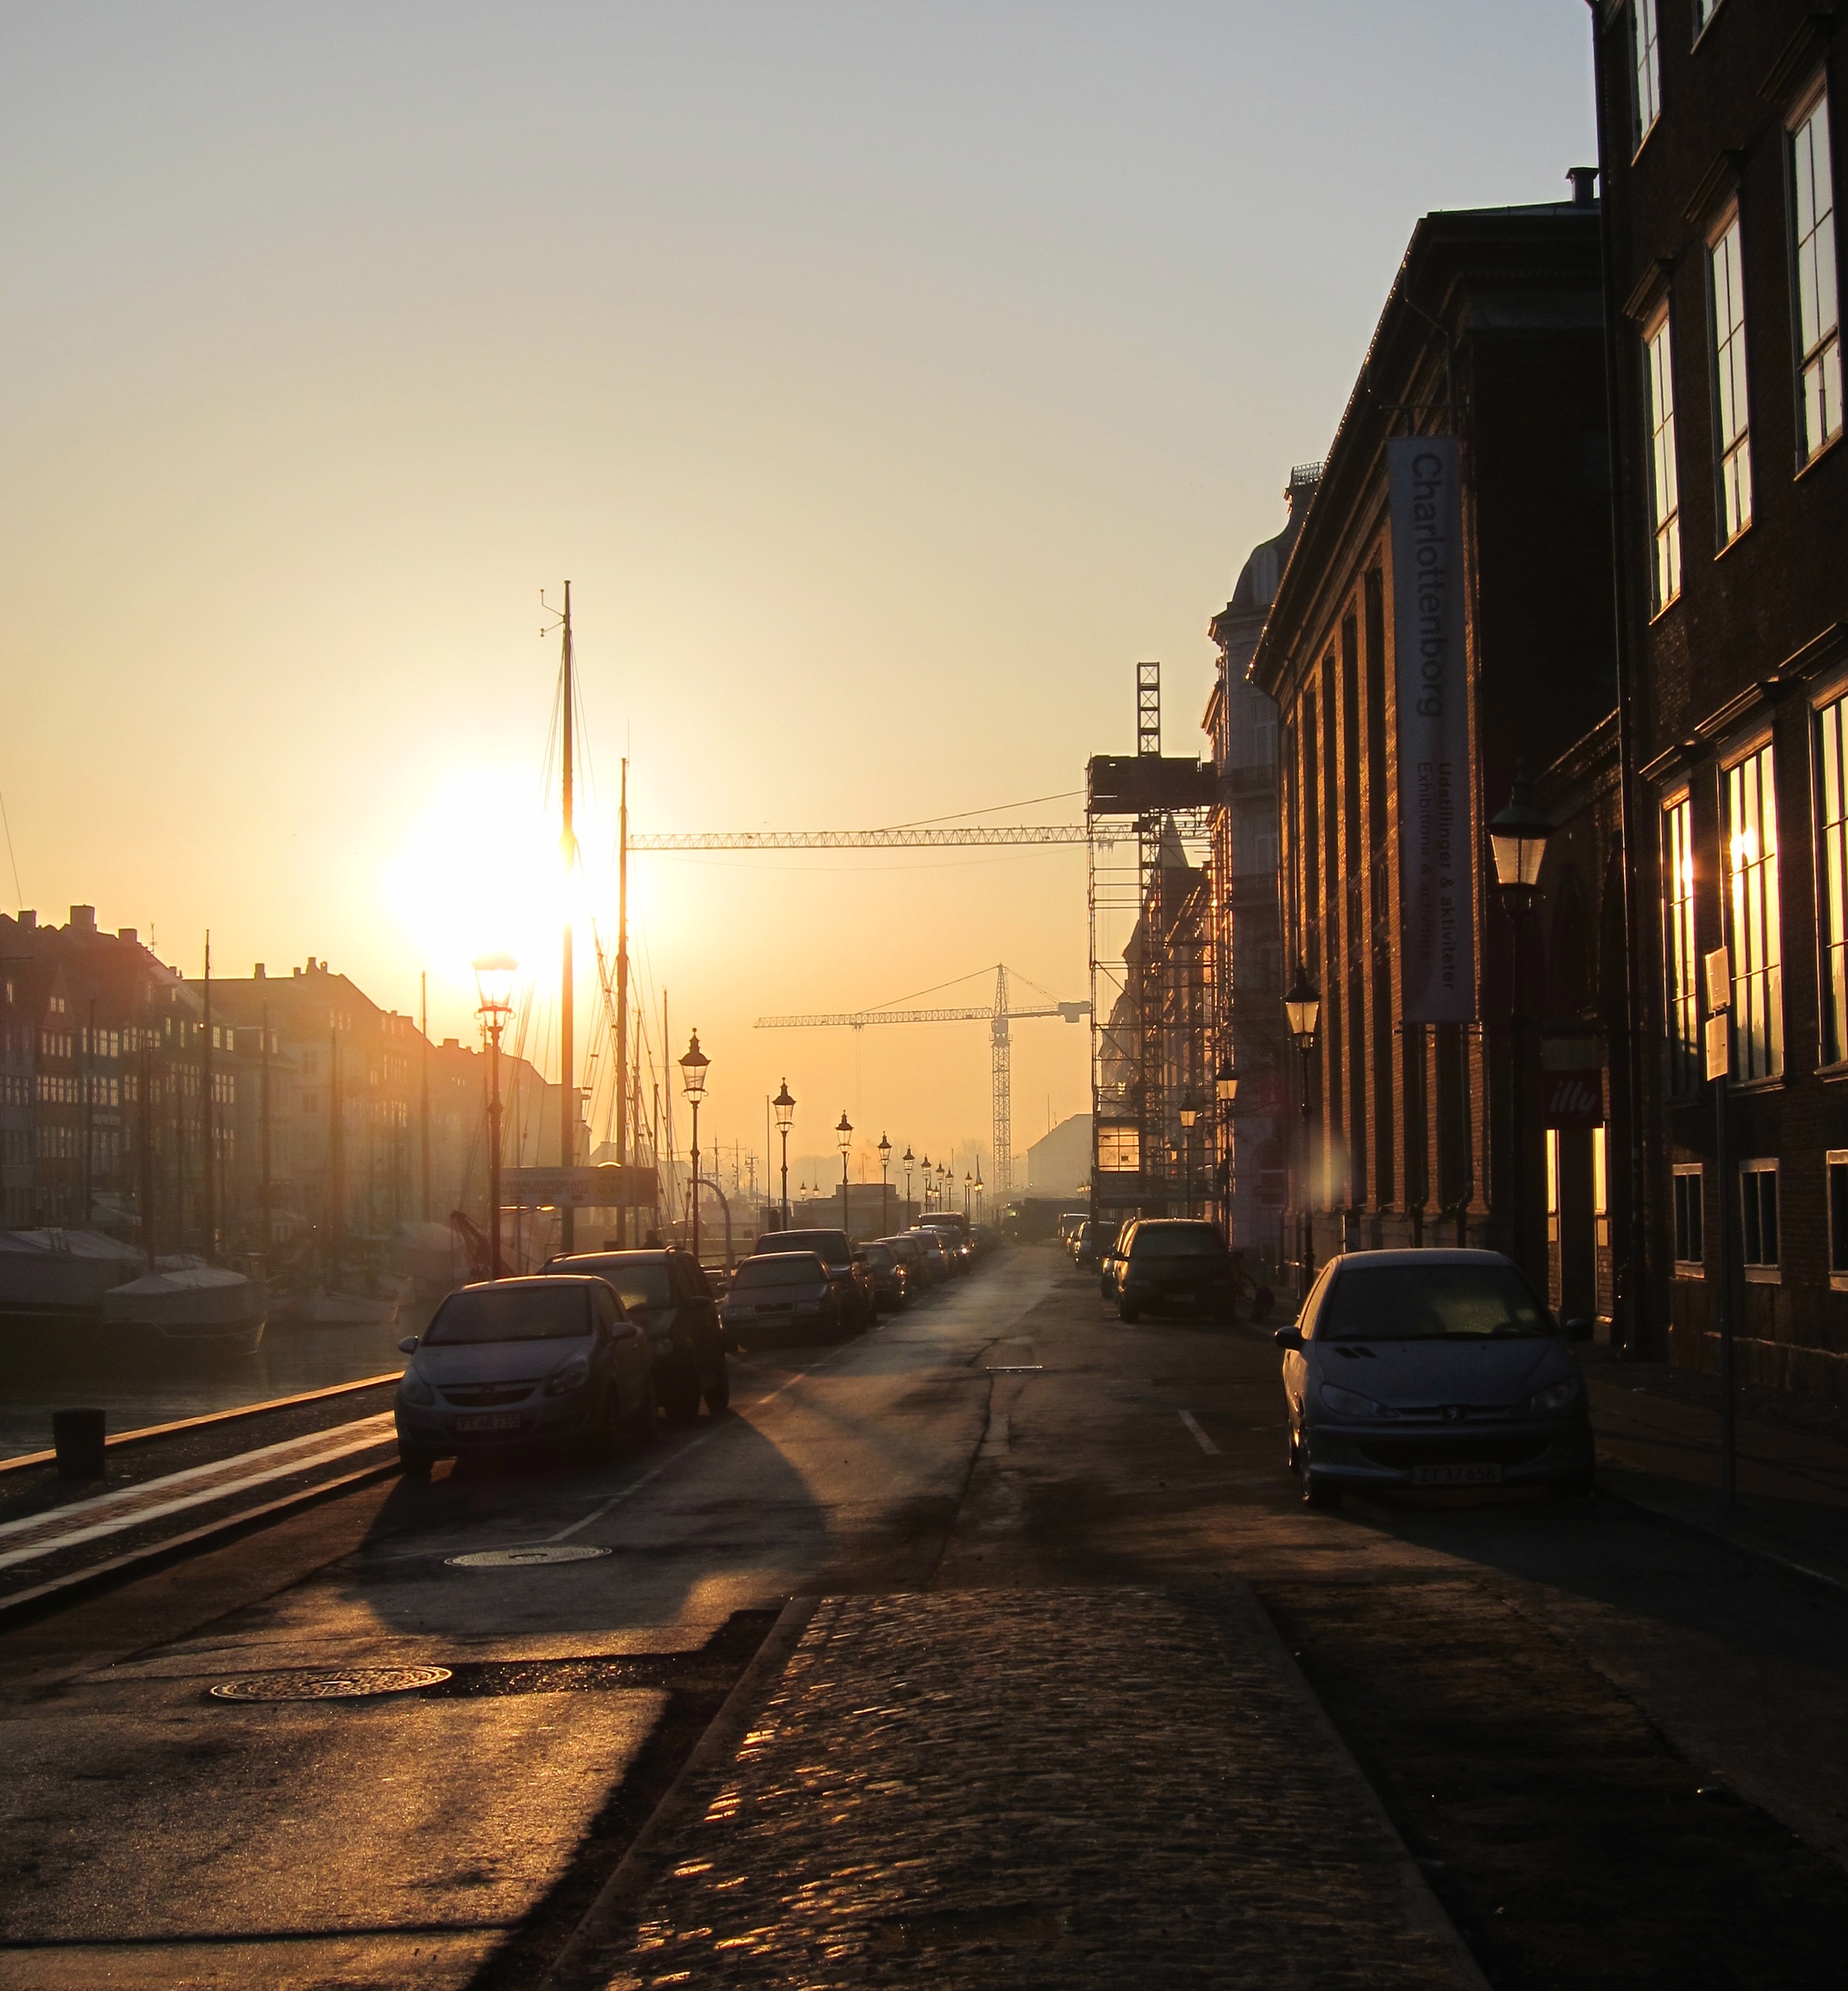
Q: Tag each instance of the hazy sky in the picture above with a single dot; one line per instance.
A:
(887, 378)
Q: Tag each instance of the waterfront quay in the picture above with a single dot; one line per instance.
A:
(993, 1646)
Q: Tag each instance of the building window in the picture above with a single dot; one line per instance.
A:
(1726, 293)
(1689, 1256)
(1704, 11)
(1665, 490)
(1601, 1190)
(1812, 247)
(1832, 874)
(1552, 1185)
(1678, 945)
(1647, 67)
(1751, 824)
(1837, 1161)
(1758, 1200)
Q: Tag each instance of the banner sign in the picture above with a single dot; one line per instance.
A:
(608, 1187)
(1572, 1081)
(1436, 876)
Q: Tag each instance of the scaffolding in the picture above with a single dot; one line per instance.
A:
(1146, 820)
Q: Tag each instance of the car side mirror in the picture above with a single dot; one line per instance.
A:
(408, 1346)
(1288, 1337)
(1578, 1328)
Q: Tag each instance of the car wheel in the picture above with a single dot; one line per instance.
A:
(413, 1461)
(682, 1395)
(1317, 1490)
(1128, 1315)
(718, 1392)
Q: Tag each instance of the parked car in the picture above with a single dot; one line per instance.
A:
(954, 1236)
(936, 1256)
(846, 1268)
(542, 1362)
(668, 1293)
(911, 1255)
(1432, 1368)
(1096, 1237)
(779, 1297)
(1110, 1261)
(1177, 1263)
(891, 1280)
(1068, 1221)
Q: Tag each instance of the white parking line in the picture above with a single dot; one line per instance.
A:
(1199, 1437)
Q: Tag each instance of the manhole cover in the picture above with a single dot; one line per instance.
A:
(350, 1684)
(540, 1552)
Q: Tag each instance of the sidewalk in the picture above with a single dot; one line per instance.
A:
(1658, 1432)
(1056, 1787)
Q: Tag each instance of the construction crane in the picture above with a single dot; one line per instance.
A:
(997, 1016)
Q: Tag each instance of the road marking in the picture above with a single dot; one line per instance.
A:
(1199, 1437)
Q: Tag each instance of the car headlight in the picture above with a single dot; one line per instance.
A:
(573, 1376)
(1350, 1403)
(1556, 1398)
(414, 1390)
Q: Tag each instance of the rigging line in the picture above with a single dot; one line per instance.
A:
(932, 990)
(18, 891)
(994, 808)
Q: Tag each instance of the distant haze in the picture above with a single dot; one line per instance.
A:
(887, 378)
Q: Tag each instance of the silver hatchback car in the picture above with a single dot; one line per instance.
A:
(1425, 1369)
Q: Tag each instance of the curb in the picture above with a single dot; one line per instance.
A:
(1707, 1531)
(595, 1948)
(45, 1597)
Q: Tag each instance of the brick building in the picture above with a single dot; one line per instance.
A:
(1723, 174)
(1491, 335)
(1251, 1137)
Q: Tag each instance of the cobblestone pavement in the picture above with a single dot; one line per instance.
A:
(1054, 1787)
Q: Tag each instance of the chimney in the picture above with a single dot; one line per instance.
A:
(1584, 186)
(29, 921)
(84, 919)
(129, 934)
(256, 973)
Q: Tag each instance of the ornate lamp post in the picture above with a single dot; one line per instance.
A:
(907, 1157)
(1518, 838)
(493, 974)
(968, 1183)
(926, 1166)
(785, 1112)
(885, 1163)
(979, 1188)
(1189, 1114)
(1302, 1011)
(693, 1077)
(845, 1130)
(944, 1178)
(1225, 1090)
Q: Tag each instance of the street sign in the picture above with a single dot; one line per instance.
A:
(1719, 1045)
(610, 1186)
(1572, 1081)
(1719, 978)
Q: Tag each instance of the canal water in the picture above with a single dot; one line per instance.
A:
(47, 1366)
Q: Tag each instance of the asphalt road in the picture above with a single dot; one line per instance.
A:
(1538, 1692)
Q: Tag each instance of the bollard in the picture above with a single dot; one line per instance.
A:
(77, 1437)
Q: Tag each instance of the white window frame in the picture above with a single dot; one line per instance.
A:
(1834, 1177)
(1704, 11)
(1732, 396)
(1646, 68)
(1762, 1271)
(1600, 1187)
(1830, 811)
(1664, 481)
(1680, 953)
(1690, 1265)
(1553, 1185)
(1754, 913)
(1815, 313)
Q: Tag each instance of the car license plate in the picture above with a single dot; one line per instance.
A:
(1456, 1476)
(490, 1421)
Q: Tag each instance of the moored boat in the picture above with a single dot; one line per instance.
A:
(62, 1271)
(324, 1308)
(197, 1306)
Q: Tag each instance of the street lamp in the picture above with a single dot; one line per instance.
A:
(493, 974)
(844, 1130)
(945, 1176)
(885, 1162)
(1517, 837)
(692, 1076)
(1225, 1090)
(1189, 1115)
(785, 1110)
(908, 1158)
(978, 1195)
(968, 1183)
(1303, 1010)
(927, 1182)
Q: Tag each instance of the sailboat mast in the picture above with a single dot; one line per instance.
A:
(207, 1173)
(622, 989)
(567, 1097)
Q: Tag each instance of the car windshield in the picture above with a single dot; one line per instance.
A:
(511, 1313)
(829, 1246)
(1429, 1303)
(779, 1269)
(1177, 1241)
